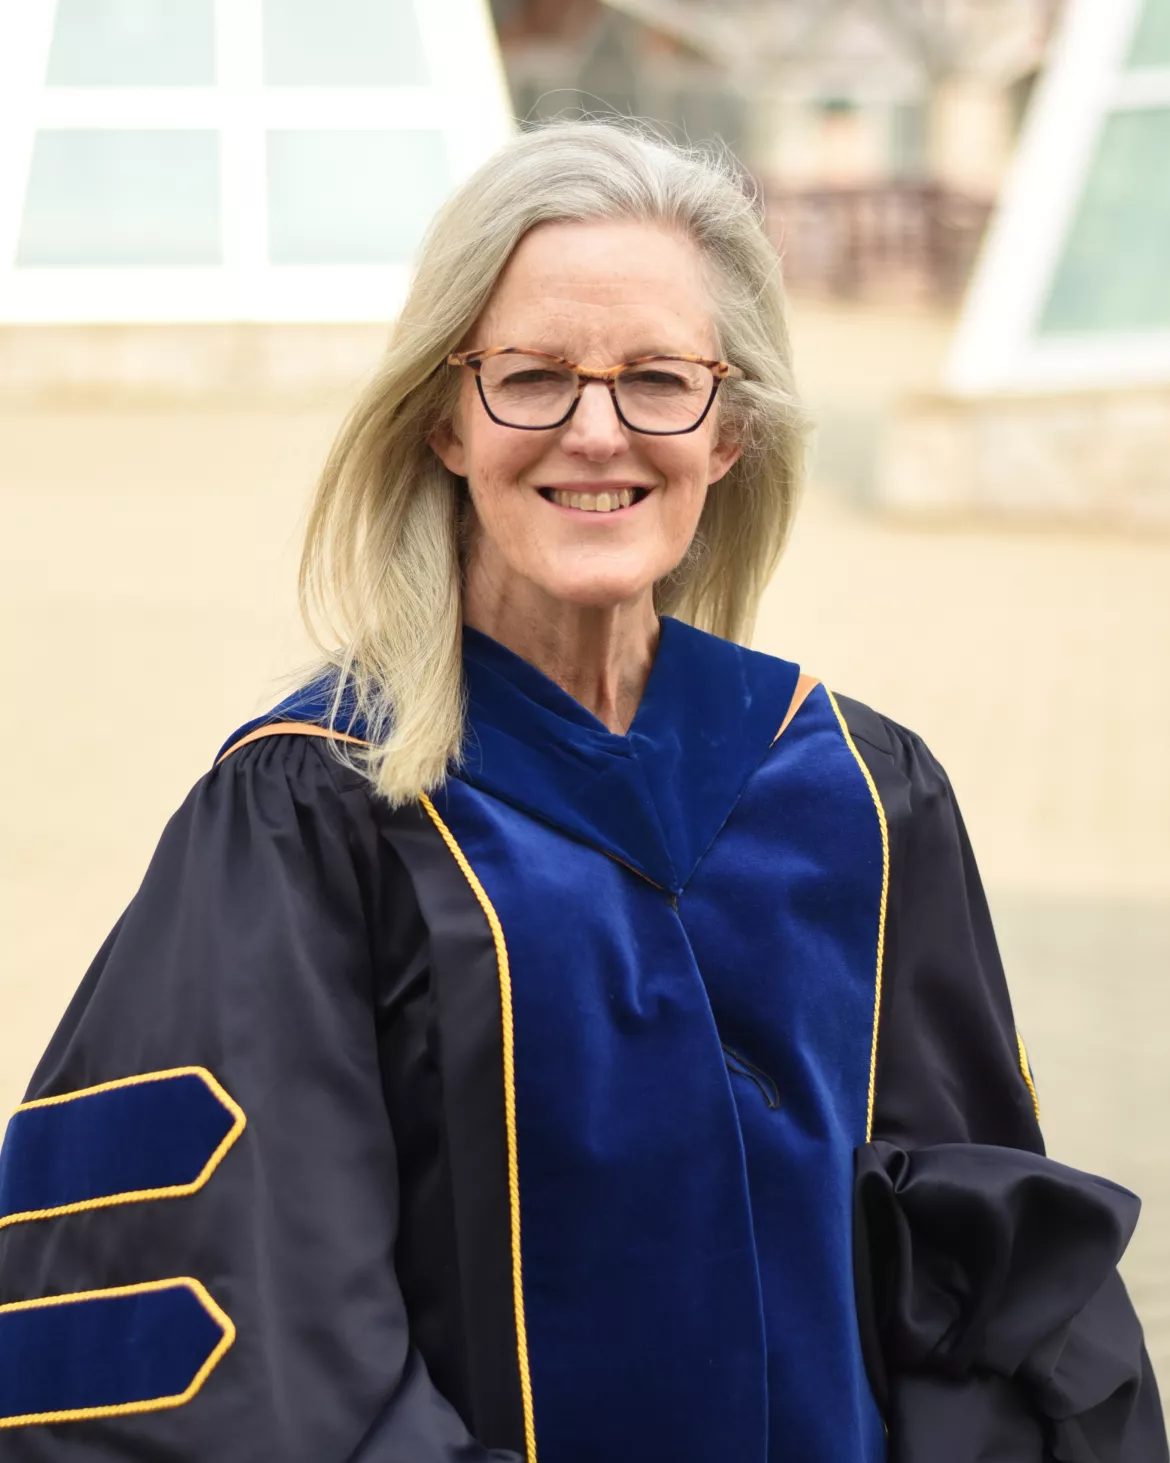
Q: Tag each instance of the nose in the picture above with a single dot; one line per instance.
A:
(594, 430)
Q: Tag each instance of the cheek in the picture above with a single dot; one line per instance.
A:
(684, 464)
(496, 459)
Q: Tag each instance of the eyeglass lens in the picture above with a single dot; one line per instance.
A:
(657, 396)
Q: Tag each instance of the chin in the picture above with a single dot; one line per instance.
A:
(600, 591)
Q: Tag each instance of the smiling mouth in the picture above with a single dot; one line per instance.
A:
(611, 502)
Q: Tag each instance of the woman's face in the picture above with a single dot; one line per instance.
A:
(597, 294)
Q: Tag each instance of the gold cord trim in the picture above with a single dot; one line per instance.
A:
(1026, 1069)
(299, 728)
(881, 930)
(174, 1191)
(493, 920)
(149, 1404)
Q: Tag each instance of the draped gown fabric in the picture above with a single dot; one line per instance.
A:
(564, 1135)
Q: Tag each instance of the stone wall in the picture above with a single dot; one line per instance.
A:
(1090, 458)
(111, 364)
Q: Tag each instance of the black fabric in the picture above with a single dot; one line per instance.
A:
(328, 963)
(995, 1326)
(275, 925)
(948, 1067)
(990, 1266)
(442, 1062)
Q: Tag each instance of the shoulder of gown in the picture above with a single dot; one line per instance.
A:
(994, 1321)
(199, 1203)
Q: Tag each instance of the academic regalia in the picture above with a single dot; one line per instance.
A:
(635, 1098)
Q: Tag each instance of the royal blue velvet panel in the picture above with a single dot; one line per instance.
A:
(102, 1353)
(641, 1292)
(692, 1061)
(654, 798)
(782, 916)
(158, 1136)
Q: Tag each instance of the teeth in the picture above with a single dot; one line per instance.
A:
(594, 502)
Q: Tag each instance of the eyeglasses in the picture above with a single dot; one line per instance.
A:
(661, 396)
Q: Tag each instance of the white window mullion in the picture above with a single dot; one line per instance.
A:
(468, 77)
(137, 107)
(239, 47)
(1145, 87)
(994, 347)
(24, 56)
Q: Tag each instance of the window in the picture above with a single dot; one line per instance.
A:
(1151, 40)
(352, 197)
(124, 197)
(342, 43)
(1113, 273)
(1073, 289)
(133, 43)
(233, 159)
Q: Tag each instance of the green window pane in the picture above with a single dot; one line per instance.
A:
(352, 197)
(133, 43)
(1151, 40)
(1115, 271)
(343, 43)
(121, 198)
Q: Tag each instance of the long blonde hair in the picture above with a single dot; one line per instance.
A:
(381, 574)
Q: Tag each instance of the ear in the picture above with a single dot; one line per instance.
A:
(447, 445)
(724, 456)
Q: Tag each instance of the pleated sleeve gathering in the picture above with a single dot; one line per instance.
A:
(995, 1325)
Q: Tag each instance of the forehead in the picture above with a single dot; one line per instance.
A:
(611, 290)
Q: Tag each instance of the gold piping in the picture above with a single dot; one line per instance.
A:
(150, 1404)
(290, 729)
(173, 1191)
(493, 920)
(881, 930)
(300, 728)
(1026, 1069)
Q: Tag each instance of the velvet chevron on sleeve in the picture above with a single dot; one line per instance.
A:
(192, 1297)
(994, 1322)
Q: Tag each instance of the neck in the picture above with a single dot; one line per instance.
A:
(600, 656)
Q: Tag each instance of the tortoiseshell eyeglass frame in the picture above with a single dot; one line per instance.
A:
(720, 372)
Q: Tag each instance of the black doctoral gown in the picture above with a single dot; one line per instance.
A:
(633, 1098)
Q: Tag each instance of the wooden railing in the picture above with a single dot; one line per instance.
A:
(898, 238)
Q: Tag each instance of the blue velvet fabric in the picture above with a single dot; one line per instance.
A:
(104, 1351)
(149, 1135)
(654, 798)
(782, 917)
(692, 895)
(686, 1240)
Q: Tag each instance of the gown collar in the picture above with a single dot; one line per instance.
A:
(654, 798)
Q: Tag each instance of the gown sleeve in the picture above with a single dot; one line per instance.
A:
(994, 1322)
(217, 1237)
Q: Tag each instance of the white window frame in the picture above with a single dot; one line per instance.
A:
(467, 102)
(997, 346)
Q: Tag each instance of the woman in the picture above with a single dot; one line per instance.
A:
(488, 1063)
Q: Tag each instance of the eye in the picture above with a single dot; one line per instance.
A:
(532, 376)
(657, 379)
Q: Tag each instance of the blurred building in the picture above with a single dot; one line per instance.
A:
(882, 132)
(188, 188)
(1059, 400)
